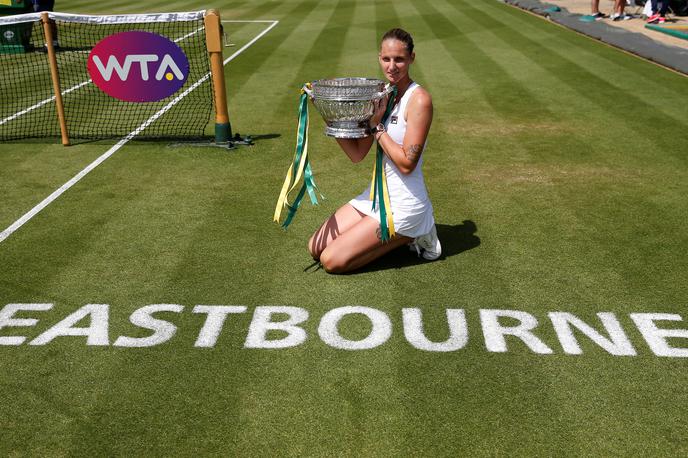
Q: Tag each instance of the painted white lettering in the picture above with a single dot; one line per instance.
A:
(617, 343)
(494, 332)
(143, 60)
(166, 63)
(656, 337)
(7, 320)
(123, 70)
(413, 330)
(217, 314)
(162, 330)
(96, 332)
(113, 65)
(262, 323)
(329, 328)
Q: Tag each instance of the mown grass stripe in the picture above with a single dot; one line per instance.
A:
(593, 87)
(505, 95)
(332, 38)
(323, 50)
(609, 71)
(387, 18)
(358, 56)
(261, 53)
(479, 17)
(518, 151)
(588, 49)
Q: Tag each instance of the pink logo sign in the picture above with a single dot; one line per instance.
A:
(138, 66)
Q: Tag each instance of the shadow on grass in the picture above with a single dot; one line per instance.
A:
(185, 140)
(260, 137)
(455, 240)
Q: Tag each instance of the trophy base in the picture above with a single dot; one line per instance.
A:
(346, 130)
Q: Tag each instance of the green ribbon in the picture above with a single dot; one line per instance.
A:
(378, 191)
(308, 180)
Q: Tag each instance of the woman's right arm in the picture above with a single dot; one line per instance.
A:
(356, 148)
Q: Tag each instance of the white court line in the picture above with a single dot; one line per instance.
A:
(58, 192)
(42, 102)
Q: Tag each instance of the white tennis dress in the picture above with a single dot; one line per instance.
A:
(411, 207)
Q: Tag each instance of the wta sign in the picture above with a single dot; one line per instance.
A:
(138, 66)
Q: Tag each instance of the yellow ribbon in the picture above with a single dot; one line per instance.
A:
(301, 163)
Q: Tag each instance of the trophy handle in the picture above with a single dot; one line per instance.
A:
(307, 89)
(387, 90)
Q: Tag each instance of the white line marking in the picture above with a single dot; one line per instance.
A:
(57, 193)
(256, 21)
(230, 58)
(43, 102)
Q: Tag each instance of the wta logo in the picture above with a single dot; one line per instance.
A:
(138, 66)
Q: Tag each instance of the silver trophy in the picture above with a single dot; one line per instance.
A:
(346, 104)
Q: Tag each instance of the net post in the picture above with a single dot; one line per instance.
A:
(213, 38)
(55, 76)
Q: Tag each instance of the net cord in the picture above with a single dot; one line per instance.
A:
(106, 19)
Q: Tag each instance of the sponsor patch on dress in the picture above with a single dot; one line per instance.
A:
(393, 120)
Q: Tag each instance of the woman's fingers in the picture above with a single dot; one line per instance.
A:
(380, 106)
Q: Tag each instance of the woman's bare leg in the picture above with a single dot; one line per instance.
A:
(344, 218)
(595, 6)
(357, 246)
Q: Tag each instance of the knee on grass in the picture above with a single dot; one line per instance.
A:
(334, 263)
(314, 251)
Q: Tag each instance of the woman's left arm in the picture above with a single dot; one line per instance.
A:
(418, 120)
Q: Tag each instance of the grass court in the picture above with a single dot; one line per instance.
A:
(558, 171)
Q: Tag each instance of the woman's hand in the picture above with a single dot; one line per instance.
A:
(379, 108)
(358, 148)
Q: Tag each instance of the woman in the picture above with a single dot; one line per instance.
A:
(350, 238)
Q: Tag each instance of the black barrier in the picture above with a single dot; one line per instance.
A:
(15, 38)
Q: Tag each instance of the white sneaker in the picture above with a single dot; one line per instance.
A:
(429, 244)
(621, 17)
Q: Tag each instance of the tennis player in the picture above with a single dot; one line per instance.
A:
(350, 238)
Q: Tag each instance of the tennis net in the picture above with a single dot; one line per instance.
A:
(95, 86)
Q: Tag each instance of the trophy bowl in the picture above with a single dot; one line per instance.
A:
(346, 104)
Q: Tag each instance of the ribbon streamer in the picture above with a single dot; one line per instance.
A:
(378, 186)
(300, 167)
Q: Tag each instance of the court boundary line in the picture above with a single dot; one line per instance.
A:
(123, 141)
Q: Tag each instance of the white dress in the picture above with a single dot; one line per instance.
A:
(411, 207)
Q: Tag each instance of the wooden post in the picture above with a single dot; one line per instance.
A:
(213, 38)
(52, 60)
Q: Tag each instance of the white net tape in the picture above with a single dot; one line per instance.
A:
(106, 19)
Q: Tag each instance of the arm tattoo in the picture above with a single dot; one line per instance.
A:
(413, 153)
